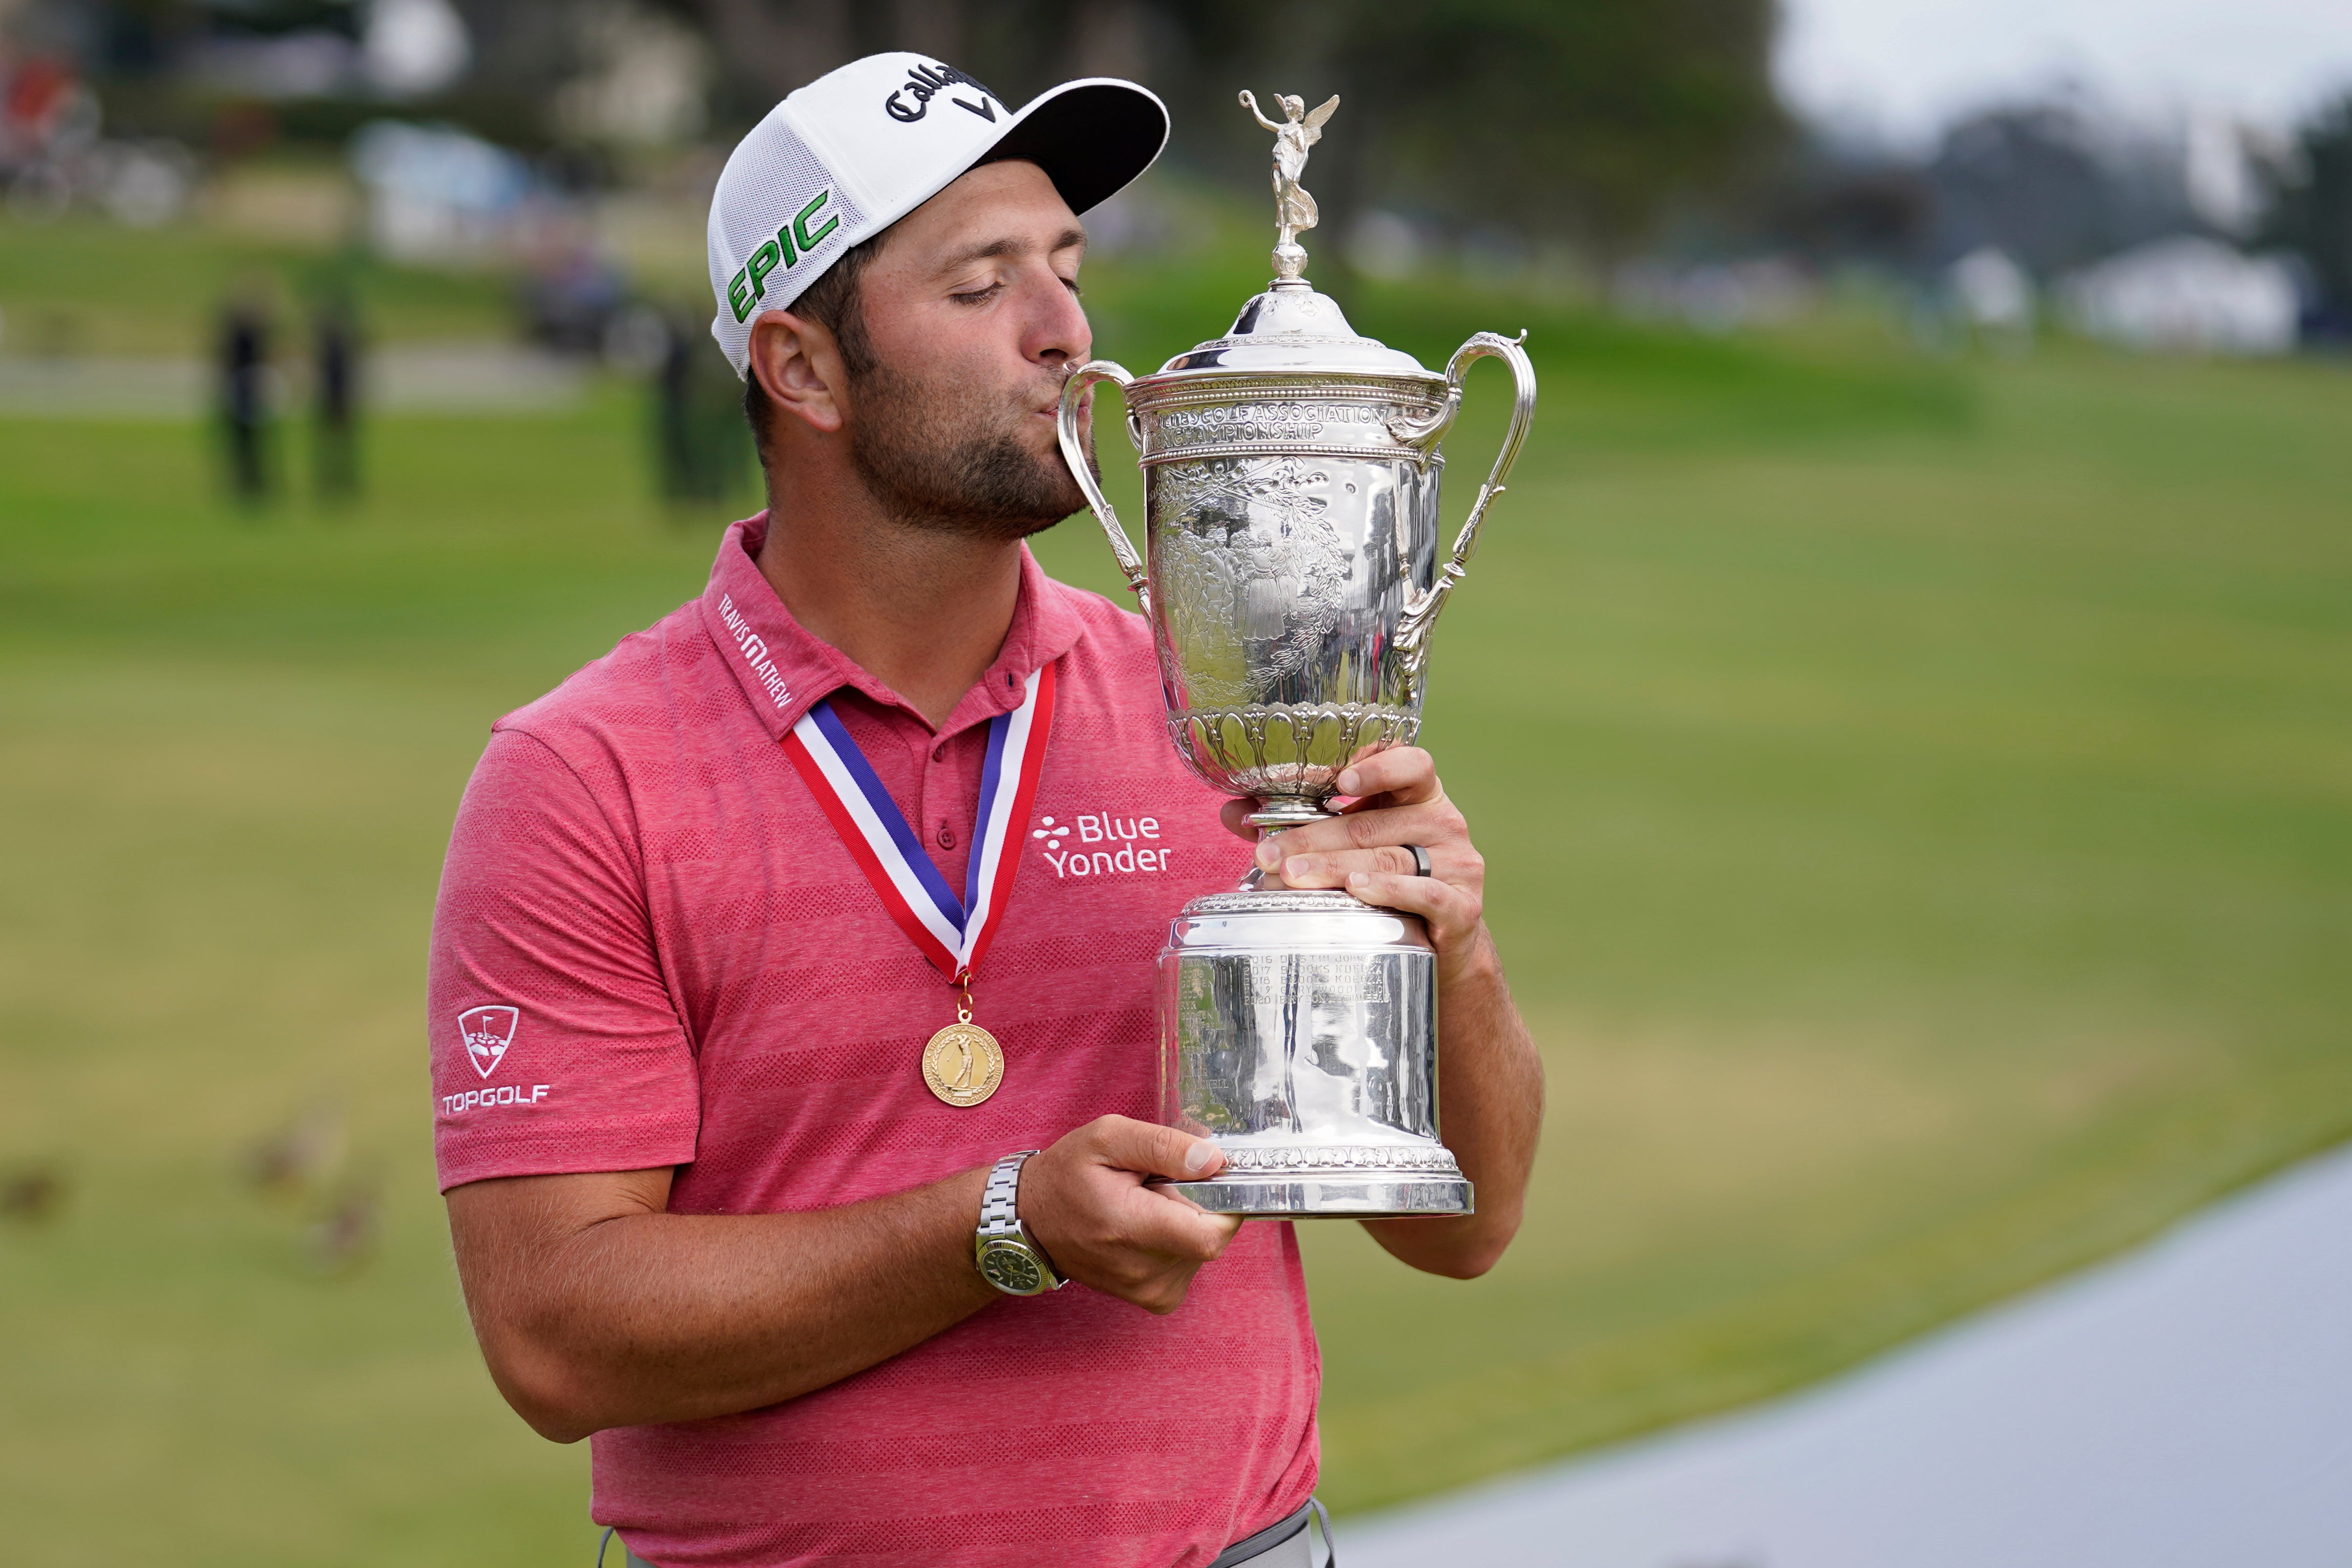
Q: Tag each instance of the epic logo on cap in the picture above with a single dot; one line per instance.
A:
(792, 241)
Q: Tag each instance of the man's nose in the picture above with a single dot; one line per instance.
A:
(1058, 333)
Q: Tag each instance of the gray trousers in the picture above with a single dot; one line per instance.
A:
(1285, 1543)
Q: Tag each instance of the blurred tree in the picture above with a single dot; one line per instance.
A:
(2055, 186)
(1580, 119)
(2026, 180)
(1588, 121)
(2312, 213)
(1585, 121)
(1833, 204)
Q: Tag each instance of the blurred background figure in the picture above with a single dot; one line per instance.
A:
(244, 396)
(700, 444)
(344, 1239)
(334, 393)
(703, 448)
(31, 1194)
(573, 292)
(298, 1154)
(47, 119)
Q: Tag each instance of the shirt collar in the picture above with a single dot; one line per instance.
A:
(784, 669)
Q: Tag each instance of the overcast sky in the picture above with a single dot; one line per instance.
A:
(1903, 66)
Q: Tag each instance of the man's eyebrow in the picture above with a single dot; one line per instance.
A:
(1009, 247)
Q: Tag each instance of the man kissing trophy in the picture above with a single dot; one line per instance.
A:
(796, 1093)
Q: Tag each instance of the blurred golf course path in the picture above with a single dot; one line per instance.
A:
(1918, 797)
(2187, 1405)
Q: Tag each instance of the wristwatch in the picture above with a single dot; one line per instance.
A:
(1008, 1256)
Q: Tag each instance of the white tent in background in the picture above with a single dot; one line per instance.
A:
(2187, 294)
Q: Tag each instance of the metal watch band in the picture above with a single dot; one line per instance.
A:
(1001, 1232)
(998, 1213)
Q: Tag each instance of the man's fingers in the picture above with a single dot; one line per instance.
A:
(1333, 870)
(1398, 776)
(1111, 1229)
(1405, 772)
(1450, 912)
(1152, 1150)
(1155, 1222)
(1329, 837)
(1432, 824)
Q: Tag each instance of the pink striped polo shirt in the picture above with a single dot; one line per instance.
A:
(651, 948)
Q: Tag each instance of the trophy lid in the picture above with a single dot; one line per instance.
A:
(1291, 328)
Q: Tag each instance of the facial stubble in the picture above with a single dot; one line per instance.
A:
(945, 455)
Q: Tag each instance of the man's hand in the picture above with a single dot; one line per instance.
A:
(1086, 1202)
(1490, 1078)
(1399, 802)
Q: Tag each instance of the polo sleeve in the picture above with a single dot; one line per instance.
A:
(556, 1046)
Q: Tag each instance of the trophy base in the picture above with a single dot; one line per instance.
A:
(1339, 1194)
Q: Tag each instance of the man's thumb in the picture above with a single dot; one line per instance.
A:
(1161, 1152)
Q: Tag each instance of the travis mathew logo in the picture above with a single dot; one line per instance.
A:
(487, 1031)
(912, 102)
(1127, 843)
(755, 652)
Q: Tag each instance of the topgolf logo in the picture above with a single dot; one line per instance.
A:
(488, 1032)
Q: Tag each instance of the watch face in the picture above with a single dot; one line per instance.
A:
(1009, 1267)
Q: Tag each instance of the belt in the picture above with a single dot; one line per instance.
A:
(1284, 1544)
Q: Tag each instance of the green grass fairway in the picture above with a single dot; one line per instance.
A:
(86, 286)
(1919, 800)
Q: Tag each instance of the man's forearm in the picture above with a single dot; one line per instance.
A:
(591, 1321)
(1490, 1094)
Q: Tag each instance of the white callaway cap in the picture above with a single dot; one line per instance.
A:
(856, 150)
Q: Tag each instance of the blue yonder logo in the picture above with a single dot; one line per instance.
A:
(1100, 844)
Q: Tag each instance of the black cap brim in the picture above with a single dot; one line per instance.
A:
(1092, 138)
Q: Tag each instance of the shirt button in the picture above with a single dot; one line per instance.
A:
(947, 837)
(939, 754)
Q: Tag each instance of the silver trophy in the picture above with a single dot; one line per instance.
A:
(1291, 475)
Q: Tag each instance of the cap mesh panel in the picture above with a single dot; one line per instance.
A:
(771, 177)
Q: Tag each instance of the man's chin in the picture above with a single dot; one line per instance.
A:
(1051, 496)
(1006, 517)
(1026, 528)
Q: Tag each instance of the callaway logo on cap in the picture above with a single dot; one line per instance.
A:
(856, 150)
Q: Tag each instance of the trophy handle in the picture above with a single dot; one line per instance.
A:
(1421, 611)
(1075, 455)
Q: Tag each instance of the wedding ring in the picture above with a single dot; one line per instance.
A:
(1419, 859)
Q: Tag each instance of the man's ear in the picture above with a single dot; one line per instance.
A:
(799, 367)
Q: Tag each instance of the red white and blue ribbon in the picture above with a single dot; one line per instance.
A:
(952, 933)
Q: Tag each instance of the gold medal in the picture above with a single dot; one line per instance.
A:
(964, 1064)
